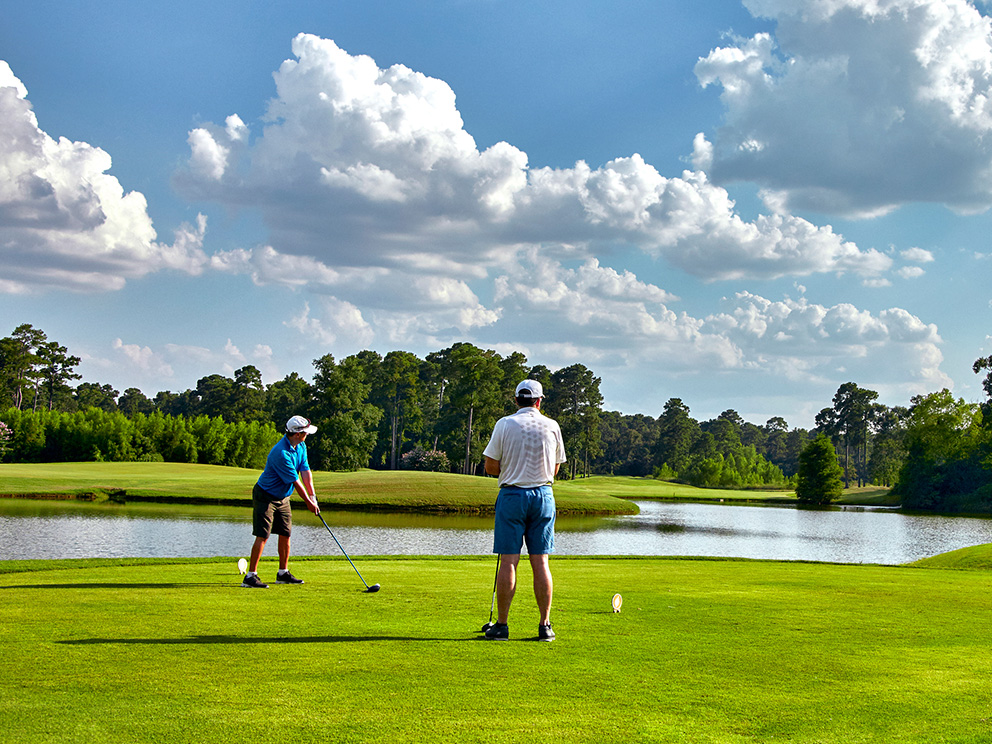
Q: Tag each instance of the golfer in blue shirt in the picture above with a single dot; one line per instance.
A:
(286, 469)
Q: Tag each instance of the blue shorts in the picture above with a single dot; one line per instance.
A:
(524, 513)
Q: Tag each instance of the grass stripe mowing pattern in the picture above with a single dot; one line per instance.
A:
(704, 651)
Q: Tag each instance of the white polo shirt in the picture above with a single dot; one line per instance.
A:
(528, 446)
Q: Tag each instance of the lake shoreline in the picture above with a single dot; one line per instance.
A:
(122, 497)
(375, 491)
(69, 528)
(740, 498)
(296, 505)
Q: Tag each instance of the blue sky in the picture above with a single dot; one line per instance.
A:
(743, 205)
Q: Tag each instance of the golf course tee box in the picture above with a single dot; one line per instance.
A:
(703, 650)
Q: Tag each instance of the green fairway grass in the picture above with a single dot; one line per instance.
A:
(365, 489)
(652, 489)
(703, 651)
(648, 489)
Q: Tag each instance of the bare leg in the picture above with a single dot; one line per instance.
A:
(283, 552)
(256, 553)
(543, 586)
(506, 585)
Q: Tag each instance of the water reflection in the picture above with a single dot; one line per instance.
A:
(846, 535)
(41, 529)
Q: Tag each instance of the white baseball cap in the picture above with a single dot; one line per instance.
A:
(529, 389)
(298, 424)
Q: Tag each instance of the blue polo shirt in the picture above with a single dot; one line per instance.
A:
(282, 467)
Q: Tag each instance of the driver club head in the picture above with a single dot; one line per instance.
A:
(372, 589)
(487, 626)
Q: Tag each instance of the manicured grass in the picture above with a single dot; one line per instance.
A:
(365, 489)
(371, 489)
(136, 478)
(648, 488)
(651, 489)
(703, 651)
(974, 557)
(869, 496)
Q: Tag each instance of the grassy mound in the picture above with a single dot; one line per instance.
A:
(974, 557)
(703, 651)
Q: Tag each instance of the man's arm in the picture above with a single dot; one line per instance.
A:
(492, 466)
(304, 487)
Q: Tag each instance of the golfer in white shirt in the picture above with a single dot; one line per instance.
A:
(525, 452)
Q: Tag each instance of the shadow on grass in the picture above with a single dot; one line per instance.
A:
(115, 585)
(229, 639)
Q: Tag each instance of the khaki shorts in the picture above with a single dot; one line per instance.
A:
(270, 516)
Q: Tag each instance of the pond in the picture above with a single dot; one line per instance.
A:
(47, 529)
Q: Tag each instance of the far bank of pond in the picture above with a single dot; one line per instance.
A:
(363, 490)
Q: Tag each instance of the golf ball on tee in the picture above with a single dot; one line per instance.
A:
(243, 566)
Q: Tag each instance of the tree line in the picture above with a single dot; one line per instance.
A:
(391, 411)
(936, 453)
(371, 410)
(95, 435)
(436, 413)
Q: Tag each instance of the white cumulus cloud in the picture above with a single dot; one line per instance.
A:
(142, 358)
(917, 255)
(855, 107)
(172, 365)
(209, 157)
(64, 222)
(336, 322)
(910, 272)
(360, 166)
(891, 350)
(639, 334)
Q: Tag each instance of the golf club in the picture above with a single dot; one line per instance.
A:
(368, 589)
(492, 604)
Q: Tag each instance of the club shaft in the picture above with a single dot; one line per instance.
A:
(344, 551)
(492, 604)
